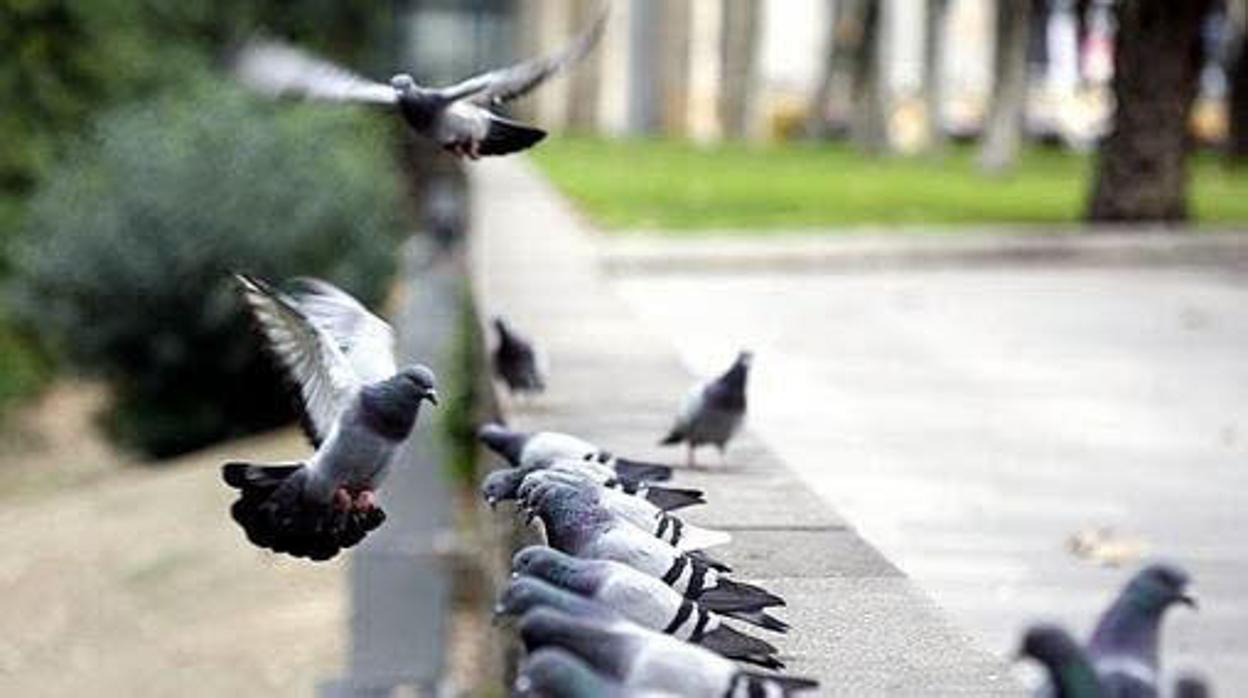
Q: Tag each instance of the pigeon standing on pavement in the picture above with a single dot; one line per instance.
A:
(459, 118)
(356, 406)
(712, 412)
(647, 661)
(503, 485)
(523, 450)
(517, 362)
(1125, 644)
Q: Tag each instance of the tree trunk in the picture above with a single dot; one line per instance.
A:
(933, 53)
(1237, 146)
(585, 79)
(740, 44)
(869, 124)
(1003, 133)
(1142, 169)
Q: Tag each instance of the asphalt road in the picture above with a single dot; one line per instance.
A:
(971, 421)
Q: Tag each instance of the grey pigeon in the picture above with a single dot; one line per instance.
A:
(517, 362)
(634, 510)
(575, 525)
(526, 449)
(556, 673)
(1124, 645)
(502, 485)
(357, 407)
(712, 412)
(1070, 672)
(645, 660)
(645, 600)
(458, 117)
(1189, 686)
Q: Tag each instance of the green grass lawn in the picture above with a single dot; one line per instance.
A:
(679, 186)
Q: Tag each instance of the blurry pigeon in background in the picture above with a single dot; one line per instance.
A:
(636, 511)
(644, 660)
(1070, 673)
(575, 525)
(523, 450)
(1124, 646)
(458, 117)
(1189, 686)
(712, 412)
(556, 673)
(356, 408)
(517, 362)
(645, 600)
(502, 485)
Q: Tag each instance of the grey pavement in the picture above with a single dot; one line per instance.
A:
(859, 625)
(968, 420)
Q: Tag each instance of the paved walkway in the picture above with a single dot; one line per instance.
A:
(860, 626)
(969, 420)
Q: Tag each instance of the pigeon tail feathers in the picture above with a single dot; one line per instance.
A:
(506, 136)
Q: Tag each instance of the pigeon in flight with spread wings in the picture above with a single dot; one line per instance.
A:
(459, 117)
(356, 406)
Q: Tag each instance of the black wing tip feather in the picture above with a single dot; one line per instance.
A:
(734, 644)
(738, 596)
(506, 136)
(671, 499)
(787, 684)
(650, 472)
(703, 558)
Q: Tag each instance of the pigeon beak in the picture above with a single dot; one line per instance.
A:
(529, 516)
(499, 616)
(492, 501)
(1190, 601)
(432, 396)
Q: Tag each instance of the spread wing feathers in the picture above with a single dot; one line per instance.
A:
(365, 339)
(309, 356)
(506, 84)
(278, 70)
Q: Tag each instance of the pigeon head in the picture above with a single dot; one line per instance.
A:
(500, 325)
(403, 83)
(607, 646)
(501, 485)
(1132, 624)
(551, 671)
(390, 406)
(745, 358)
(526, 593)
(420, 381)
(1157, 587)
(1062, 658)
(548, 564)
(503, 441)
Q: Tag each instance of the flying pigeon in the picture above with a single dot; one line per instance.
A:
(645, 600)
(712, 412)
(502, 485)
(523, 449)
(645, 660)
(459, 117)
(1124, 645)
(517, 362)
(1070, 673)
(553, 672)
(577, 526)
(634, 510)
(356, 408)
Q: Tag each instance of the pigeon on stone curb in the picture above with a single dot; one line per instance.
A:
(712, 412)
(642, 599)
(502, 485)
(356, 406)
(555, 673)
(459, 118)
(575, 525)
(645, 660)
(638, 512)
(524, 449)
(1070, 673)
(1125, 643)
(517, 362)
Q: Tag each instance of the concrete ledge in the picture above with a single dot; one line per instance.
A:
(859, 625)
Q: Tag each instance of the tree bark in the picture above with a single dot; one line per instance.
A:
(869, 124)
(740, 46)
(1142, 168)
(1003, 133)
(933, 53)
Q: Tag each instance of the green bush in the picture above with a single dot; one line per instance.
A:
(23, 370)
(124, 263)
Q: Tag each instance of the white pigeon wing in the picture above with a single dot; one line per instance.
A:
(364, 339)
(278, 70)
(308, 355)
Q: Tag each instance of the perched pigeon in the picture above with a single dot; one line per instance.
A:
(502, 485)
(522, 450)
(517, 362)
(634, 510)
(1189, 686)
(458, 117)
(577, 526)
(645, 660)
(1124, 646)
(357, 407)
(555, 673)
(1069, 671)
(712, 412)
(645, 600)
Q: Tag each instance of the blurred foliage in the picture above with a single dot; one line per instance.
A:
(23, 368)
(680, 186)
(458, 419)
(124, 267)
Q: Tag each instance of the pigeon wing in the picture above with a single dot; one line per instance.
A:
(307, 354)
(505, 84)
(364, 339)
(279, 70)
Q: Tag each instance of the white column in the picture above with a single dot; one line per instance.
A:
(613, 88)
(554, 29)
(706, 21)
